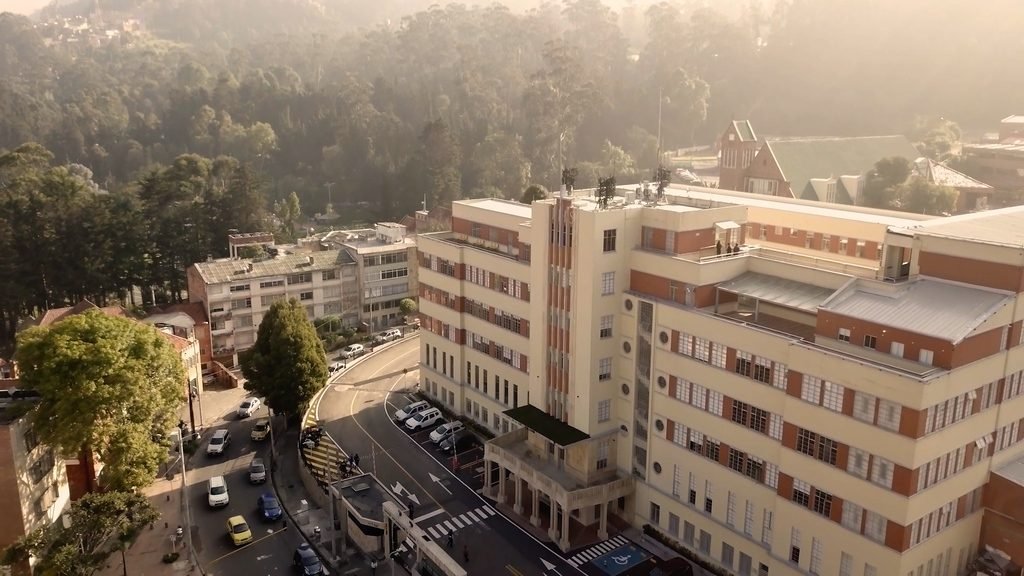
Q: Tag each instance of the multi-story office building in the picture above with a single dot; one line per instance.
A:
(784, 387)
(359, 276)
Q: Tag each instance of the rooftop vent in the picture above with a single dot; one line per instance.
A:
(309, 260)
(248, 267)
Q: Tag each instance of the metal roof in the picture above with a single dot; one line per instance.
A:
(509, 207)
(927, 306)
(227, 270)
(781, 291)
(1012, 471)
(1002, 227)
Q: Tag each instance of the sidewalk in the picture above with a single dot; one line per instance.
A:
(145, 556)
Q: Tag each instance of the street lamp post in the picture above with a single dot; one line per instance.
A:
(184, 497)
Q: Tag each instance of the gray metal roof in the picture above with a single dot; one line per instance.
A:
(1012, 471)
(227, 270)
(781, 291)
(937, 308)
(1002, 227)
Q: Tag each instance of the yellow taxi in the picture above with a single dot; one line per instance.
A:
(239, 531)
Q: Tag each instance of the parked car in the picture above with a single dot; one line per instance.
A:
(239, 531)
(424, 419)
(306, 560)
(335, 367)
(410, 410)
(217, 492)
(269, 507)
(445, 430)
(388, 335)
(459, 442)
(248, 407)
(257, 471)
(219, 442)
(260, 430)
(353, 351)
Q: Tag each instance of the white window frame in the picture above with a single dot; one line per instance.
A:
(607, 283)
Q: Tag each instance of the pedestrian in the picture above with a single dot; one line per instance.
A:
(465, 553)
(718, 247)
(451, 540)
(412, 510)
(355, 458)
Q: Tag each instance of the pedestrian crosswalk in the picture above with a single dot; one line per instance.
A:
(455, 523)
(323, 460)
(598, 549)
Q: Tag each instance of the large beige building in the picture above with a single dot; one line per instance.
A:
(359, 276)
(782, 386)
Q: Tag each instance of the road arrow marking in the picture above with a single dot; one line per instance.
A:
(263, 557)
(438, 481)
(412, 497)
(549, 566)
(398, 489)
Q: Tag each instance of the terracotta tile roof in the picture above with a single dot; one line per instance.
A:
(180, 344)
(54, 315)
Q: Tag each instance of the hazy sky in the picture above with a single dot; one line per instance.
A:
(22, 6)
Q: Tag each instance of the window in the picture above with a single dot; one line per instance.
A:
(833, 398)
(31, 440)
(702, 349)
(762, 370)
(715, 401)
(604, 410)
(864, 407)
(604, 369)
(801, 493)
(271, 284)
(852, 516)
(766, 527)
(712, 449)
(743, 366)
(240, 288)
(609, 240)
(857, 463)
(655, 514)
(41, 467)
(882, 472)
(688, 530)
(823, 503)
(329, 275)
(303, 278)
(606, 326)
(874, 526)
(241, 304)
(870, 341)
(673, 525)
(730, 509)
(844, 334)
(708, 496)
(705, 542)
(816, 554)
(927, 356)
(737, 459)
(896, 349)
(889, 415)
(870, 570)
(305, 296)
(748, 519)
(718, 354)
(794, 546)
(811, 390)
(727, 555)
(806, 441)
(780, 376)
(607, 283)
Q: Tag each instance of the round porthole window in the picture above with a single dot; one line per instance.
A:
(657, 467)
(625, 389)
(662, 382)
(626, 347)
(629, 305)
(660, 425)
(663, 337)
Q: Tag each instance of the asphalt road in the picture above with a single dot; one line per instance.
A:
(272, 548)
(357, 414)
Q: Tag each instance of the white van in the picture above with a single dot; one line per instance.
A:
(411, 410)
(424, 419)
(217, 492)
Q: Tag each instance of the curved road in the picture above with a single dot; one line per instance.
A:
(356, 411)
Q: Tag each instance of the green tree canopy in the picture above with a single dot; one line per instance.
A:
(407, 306)
(287, 365)
(107, 384)
(533, 193)
(921, 196)
(880, 187)
(99, 522)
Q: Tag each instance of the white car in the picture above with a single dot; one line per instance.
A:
(424, 419)
(353, 351)
(445, 430)
(248, 407)
(389, 335)
(412, 409)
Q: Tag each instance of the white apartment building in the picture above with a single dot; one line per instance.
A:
(782, 386)
(357, 275)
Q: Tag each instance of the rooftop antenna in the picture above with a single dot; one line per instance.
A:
(424, 202)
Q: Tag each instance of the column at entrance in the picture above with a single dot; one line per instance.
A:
(535, 505)
(518, 508)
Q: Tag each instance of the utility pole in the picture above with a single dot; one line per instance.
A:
(184, 497)
(329, 185)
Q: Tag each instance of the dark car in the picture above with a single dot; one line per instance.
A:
(459, 442)
(307, 561)
(270, 508)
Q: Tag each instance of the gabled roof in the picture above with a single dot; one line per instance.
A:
(945, 176)
(800, 160)
(195, 310)
(744, 130)
(54, 315)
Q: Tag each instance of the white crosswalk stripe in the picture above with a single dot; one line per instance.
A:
(596, 550)
(464, 520)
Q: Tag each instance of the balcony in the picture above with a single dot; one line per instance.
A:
(223, 351)
(220, 315)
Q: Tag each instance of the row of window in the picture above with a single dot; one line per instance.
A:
(439, 297)
(497, 351)
(826, 239)
(503, 284)
(494, 316)
(439, 265)
(758, 368)
(943, 517)
(388, 274)
(386, 290)
(749, 465)
(712, 401)
(473, 372)
(385, 259)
